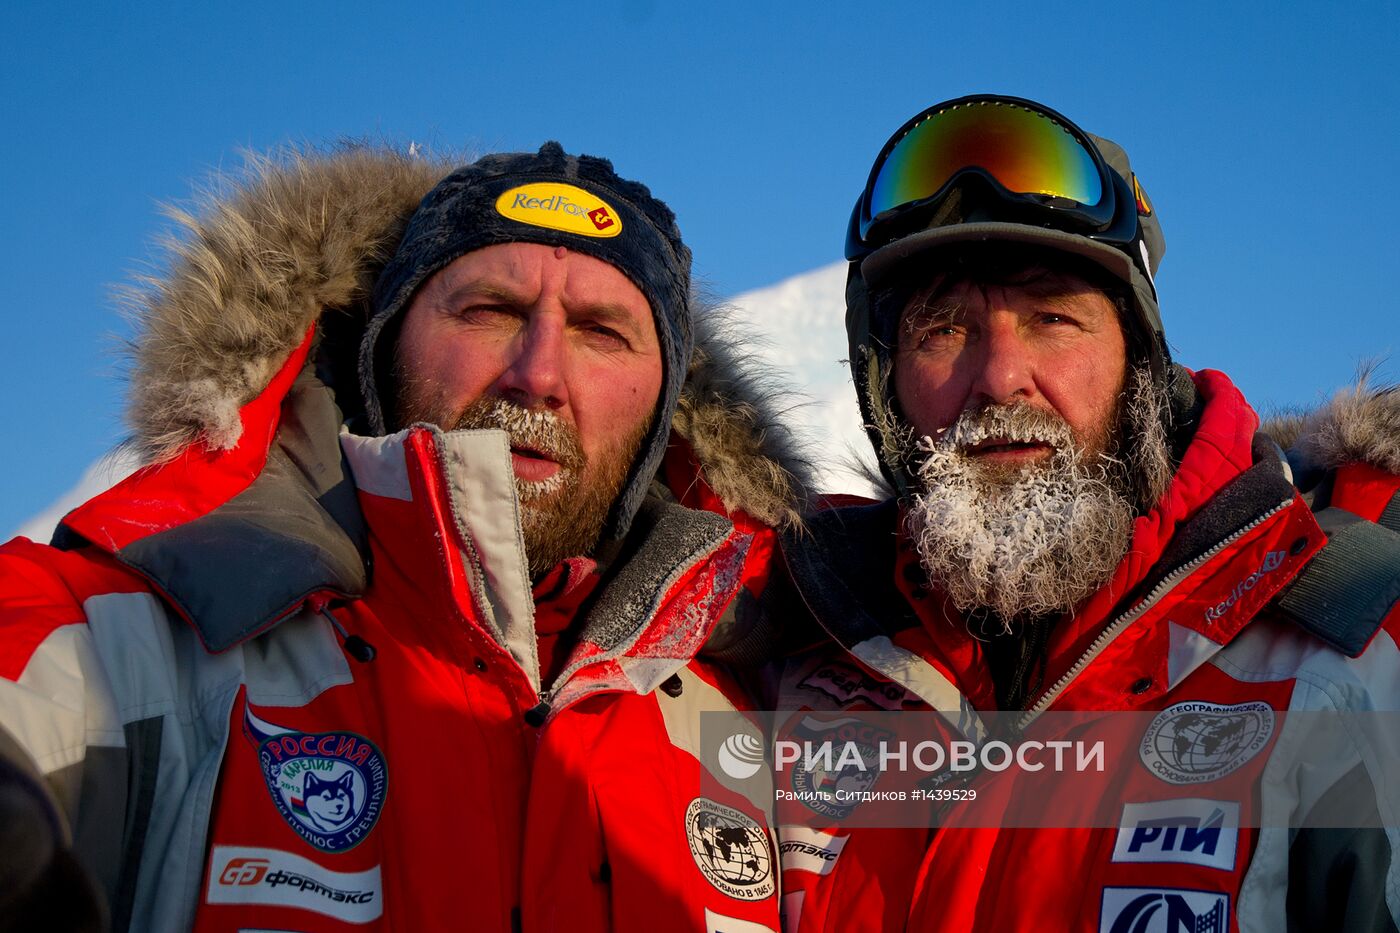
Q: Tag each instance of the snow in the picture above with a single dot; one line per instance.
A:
(109, 470)
(801, 325)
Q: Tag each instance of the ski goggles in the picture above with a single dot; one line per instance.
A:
(1033, 165)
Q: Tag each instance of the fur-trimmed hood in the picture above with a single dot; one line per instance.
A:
(300, 237)
(1359, 424)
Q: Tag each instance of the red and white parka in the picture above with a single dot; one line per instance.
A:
(1211, 612)
(290, 678)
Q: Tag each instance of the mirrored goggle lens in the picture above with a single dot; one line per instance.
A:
(1025, 151)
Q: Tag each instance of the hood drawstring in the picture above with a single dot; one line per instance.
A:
(354, 645)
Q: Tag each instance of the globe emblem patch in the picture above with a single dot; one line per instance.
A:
(328, 786)
(730, 849)
(1195, 742)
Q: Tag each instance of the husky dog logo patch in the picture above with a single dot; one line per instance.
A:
(328, 786)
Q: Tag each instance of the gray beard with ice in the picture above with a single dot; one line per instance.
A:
(1018, 542)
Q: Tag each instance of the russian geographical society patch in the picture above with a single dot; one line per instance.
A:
(730, 849)
(1195, 742)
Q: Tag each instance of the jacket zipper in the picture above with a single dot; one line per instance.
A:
(536, 715)
(1166, 584)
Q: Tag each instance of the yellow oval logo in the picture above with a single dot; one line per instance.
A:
(560, 207)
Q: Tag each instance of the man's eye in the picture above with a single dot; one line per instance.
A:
(485, 312)
(933, 334)
(605, 334)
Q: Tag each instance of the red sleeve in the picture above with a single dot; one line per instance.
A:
(43, 589)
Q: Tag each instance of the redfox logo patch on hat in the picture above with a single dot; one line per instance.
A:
(560, 207)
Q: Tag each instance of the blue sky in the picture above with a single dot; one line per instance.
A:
(1268, 136)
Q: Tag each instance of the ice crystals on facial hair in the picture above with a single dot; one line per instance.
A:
(1027, 540)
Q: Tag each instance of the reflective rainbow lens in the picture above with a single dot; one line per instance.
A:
(1025, 151)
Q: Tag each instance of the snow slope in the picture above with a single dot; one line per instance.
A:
(800, 323)
(107, 471)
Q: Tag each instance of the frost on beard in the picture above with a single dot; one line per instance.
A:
(1032, 541)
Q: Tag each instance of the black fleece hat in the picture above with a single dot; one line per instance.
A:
(554, 199)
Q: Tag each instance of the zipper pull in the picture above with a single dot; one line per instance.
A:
(536, 715)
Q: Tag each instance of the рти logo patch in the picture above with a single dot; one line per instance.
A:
(1190, 831)
(328, 786)
(560, 207)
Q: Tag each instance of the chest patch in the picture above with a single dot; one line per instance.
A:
(328, 786)
(849, 685)
(1196, 741)
(1163, 910)
(730, 849)
(831, 784)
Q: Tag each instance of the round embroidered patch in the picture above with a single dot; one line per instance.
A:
(328, 786)
(1195, 742)
(730, 849)
(832, 786)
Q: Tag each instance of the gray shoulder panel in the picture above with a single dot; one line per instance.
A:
(1390, 518)
(295, 531)
(1346, 591)
(1337, 876)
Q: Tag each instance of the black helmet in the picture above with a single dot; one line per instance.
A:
(989, 168)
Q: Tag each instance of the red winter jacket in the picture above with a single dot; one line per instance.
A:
(1196, 620)
(290, 677)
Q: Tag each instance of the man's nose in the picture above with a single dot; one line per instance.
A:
(535, 376)
(1005, 366)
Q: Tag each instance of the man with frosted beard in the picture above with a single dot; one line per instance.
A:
(1077, 524)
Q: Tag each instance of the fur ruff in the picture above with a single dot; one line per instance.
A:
(731, 416)
(301, 233)
(1359, 424)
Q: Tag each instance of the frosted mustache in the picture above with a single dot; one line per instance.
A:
(1019, 422)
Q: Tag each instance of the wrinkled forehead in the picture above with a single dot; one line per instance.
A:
(518, 274)
(950, 298)
(958, 293)
(1035, 278)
